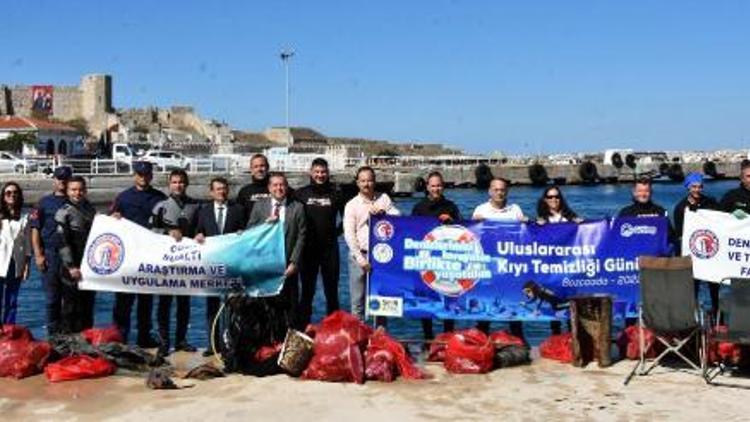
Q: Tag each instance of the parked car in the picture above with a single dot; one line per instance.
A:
(10, 163)
(166, 160)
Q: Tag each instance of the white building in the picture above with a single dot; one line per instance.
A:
(52, 138)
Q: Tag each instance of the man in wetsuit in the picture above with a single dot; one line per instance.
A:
(74, 220)
(323, 203)
(258, 187)
(435, 204)
(176, 216)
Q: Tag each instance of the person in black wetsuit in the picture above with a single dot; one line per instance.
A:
(739, 197)
(643, 206)
(436, 205)
(693, 201)
(258, 186)
(323, 203)
(74, 220)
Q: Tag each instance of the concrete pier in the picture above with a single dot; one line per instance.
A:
(102, 188)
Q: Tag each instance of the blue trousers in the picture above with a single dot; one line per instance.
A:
(9, 287)
(53, 291)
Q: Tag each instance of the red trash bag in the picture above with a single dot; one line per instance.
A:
(629, 343)
(21, 358)
(341, 324)
(385, 359)
(722, 351)
(437, 348)
(14, 332)
(99, 336)
(469, 352)
(503, 338)
(345, 366)
(339, 341)
(558, 347)
(79, 367)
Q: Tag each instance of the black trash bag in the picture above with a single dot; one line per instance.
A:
(64, 345)
(252, 324)
(511, 355)
(130, 357)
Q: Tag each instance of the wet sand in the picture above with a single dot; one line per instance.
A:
(545, 390)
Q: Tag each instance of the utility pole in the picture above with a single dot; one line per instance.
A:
(286, 55)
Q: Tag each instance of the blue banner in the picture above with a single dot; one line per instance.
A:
(500, 271)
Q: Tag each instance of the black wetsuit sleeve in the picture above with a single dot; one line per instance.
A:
(66, 239)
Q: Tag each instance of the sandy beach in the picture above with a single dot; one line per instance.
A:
(545, 390)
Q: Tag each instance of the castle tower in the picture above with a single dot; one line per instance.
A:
(96, 101)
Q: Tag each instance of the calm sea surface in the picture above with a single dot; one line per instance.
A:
(588, 201)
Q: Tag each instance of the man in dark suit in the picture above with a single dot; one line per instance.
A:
(280, 208)
(215, 218)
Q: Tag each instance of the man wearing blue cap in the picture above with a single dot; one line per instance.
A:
(695, 200)
(136, 204)
(46, 242)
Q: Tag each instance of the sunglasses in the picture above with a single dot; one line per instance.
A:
(552, 196)
(10, 192)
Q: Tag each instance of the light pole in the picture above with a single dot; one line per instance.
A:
(287, 55)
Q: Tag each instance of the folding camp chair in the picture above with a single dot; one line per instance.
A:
(737, 308)
(670, 310)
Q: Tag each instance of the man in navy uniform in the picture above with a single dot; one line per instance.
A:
(136, 205)
(46, 242)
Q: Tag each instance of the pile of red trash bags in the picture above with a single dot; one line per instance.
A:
(472, 351)
(347, 350)
(21, 356)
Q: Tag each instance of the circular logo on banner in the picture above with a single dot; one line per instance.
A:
(106, 254)
(704, 244)
(383, 230)
(382, 253)
(443, 283)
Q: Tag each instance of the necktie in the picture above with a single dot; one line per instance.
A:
(220, 220)
(276, 208)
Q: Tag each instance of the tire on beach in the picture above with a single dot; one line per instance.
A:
(588, 172)
(538, 175)
(709, 168)
(617, 160)
(630, 161)
(420, 185)
(675, 173)
(483, 176)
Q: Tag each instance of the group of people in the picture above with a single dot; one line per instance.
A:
(54, 233)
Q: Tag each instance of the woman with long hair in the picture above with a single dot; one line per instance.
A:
(15, 249)
(552, 208)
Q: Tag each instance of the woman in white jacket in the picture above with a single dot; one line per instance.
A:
(15, 249)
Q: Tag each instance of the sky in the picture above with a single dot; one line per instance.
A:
(519, 77)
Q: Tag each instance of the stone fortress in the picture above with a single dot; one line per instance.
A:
(178, 127)
(91, 103)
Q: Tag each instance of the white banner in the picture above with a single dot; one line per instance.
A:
(719, 244)
(122, 256)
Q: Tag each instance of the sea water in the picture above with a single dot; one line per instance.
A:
(590, 202)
